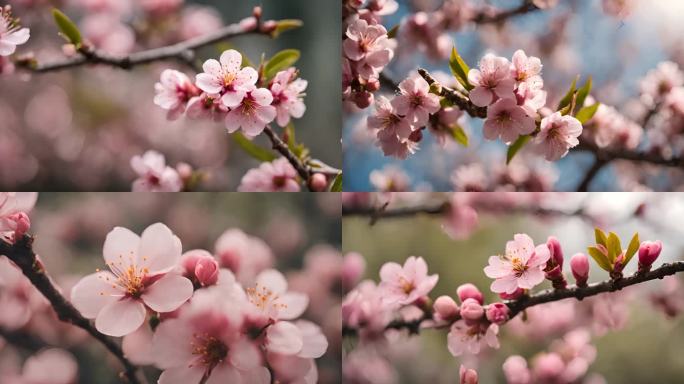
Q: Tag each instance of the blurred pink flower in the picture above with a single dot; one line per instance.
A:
(11, 33)
(16, 296)
(526, 69)
(244, 255)
(106, 32)
(252, 114)
(404, 285)
(522, 266)
(365, 306)
(463, 338)
(225, 77)
(353, 267)
(660, 81)
(288, 91)
(139, 279)
(14, 206)
(50, 366)
(557, 135)
(516, 370)
(200, 267)
(390, 179)
(198, 21)
(173, 92)
(276, 176)
(507, 120)
(415, 102)
(467, 375)
(154, 174)
(493, 80)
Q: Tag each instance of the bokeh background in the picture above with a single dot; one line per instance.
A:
(575, 37)
(77, 130)
(303, 232)
(647, 350)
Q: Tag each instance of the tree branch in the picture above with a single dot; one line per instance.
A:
(547, 296)
(21, 253)
(591, 174)
(527, 6)
(183, 51)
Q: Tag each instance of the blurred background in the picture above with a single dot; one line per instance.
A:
(646, 349)
(77, 129)
(576, 37)
(301, 231)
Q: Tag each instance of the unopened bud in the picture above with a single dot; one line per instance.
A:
(579, 264)
(648, 253)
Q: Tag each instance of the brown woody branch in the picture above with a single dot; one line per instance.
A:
(21, 253)
(485, 17)
(548, 296)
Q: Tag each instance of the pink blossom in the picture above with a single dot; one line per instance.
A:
(471, 311)
(522, 266)
(270, 298)
(460, 221)
(139, 279)
(445, 308)
(225, 77)
(173, 92)
(648, 253)
(14, 206)
(353, 267)
(16, 296)
(137, 346)
(206, 106)
(392, 129)
(531, 97)
(276, 176)
(548, 367)
(467, 375)
(390, 179)
(469, 178)
(526, 69)
(557, 135)
(579, 265)
(154, 175)
(405, 285)
(660, 81)
(108, 33)
(200, 267)
(463, 338)
(493, 80)
(368, 46)
(11, 33)
(365, 306)
(252, 114)
(161, 7)
(198, 21)
(507, 120)
(415, 102)
(205, 340)
(516, 371)
(469, 291)
(288, 91)
(244, 255)
(497, 313)
(50, 366)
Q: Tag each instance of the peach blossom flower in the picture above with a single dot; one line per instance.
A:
(507, 120)
(11, 34)
(492, 80)
(463, 338)
(225, 77)
(557, 135)
(276, 176)
(173, 91)
(154, 174)
(252, 114)
(415, 102)
(368, 46)
(522, 266)
(139, 279)
(287, 91)
(405, 285)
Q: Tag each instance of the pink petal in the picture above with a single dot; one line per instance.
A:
(285, 338)
(171, 344)
(540, 257)
(168, 293)
(245, 355)
(496, 268)
(233, 120)
(120, 318)
(159, 249)
(266, 114)
(137, 346)
(184, 374)
(121, 246)
(212, 67)
(223, 374)
(6, 49)
(507, 284)
(208, 83)
(232, 99)
(390, 271)
(86, 297)
(246, 78)
(259, 375)
(262, 96)
(19, 37)
(530, 278)
(273, 280)
(481, 96)
(295, 304)
(315, 343)
(231, 60)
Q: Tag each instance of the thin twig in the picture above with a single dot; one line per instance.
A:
(279, 145)
(21, 253)
(548, 296)
(527, 6)
(591, 174)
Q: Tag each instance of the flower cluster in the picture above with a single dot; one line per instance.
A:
(237, 94)
(155, 176)
(189, 315)
(366, 48)
(276, 176)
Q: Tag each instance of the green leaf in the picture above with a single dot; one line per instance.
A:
(600, 259)
(582, 93)
(392, 33)
(614, 247)
(459, 69)
(585, 114)
(281, 60)
(257, 152)
(516, 146)
(459, 135)
(336, 184)
(600, 237)
(632, 248)
(567, 99)
(68, 29)
(286, 25)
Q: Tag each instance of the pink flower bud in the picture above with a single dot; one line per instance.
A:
(20, 223)
(555, 250)
(469, 291)
(372, 85)
(363, 99)
(184, 171)
(200, 267)
(579, 264)
(353, 267)
(497, 313)
(468, 375)
(471, 311)
(648, 253)
(512, 296)
(318, 182)
(445, 308)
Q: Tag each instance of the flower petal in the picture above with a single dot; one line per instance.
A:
(159, 249)
(284, 337)
(94, 292)
(273, 280)
(168, 293)
(120, 318)
(294, 305)
(121, 247)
